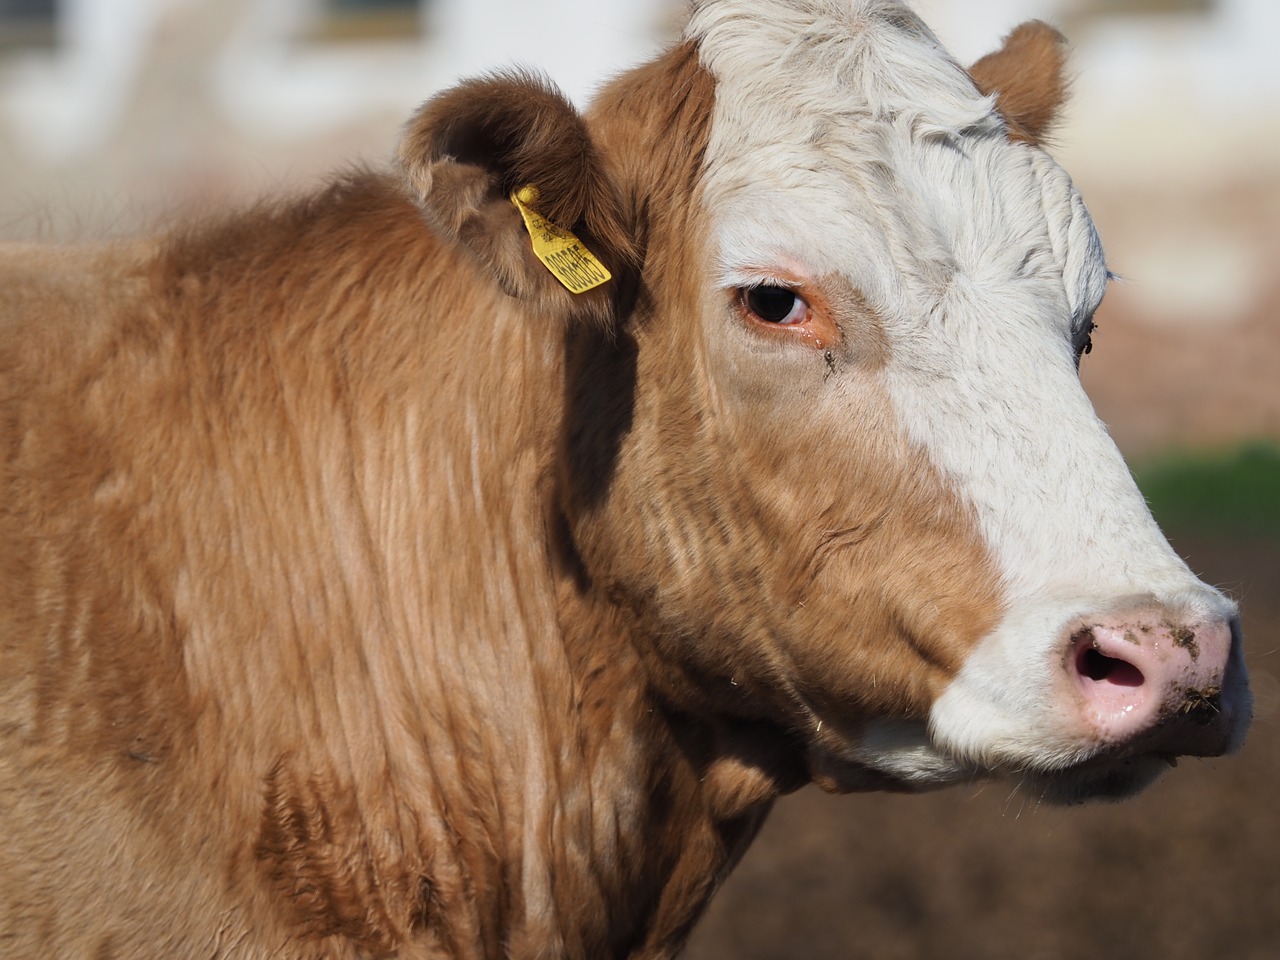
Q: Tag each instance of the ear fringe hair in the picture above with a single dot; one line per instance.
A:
(522, 129)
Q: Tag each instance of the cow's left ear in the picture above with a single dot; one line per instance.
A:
(468, 149)
(1028, 77)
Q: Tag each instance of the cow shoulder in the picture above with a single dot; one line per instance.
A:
(467, 150)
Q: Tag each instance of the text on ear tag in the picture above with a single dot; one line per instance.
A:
(560, 251)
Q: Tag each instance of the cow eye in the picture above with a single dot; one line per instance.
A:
(773, 304)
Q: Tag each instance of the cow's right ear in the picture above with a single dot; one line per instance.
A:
(468, 149)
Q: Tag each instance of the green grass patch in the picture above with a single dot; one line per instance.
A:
(1229, 494)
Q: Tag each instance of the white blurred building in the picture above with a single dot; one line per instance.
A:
(105, 98)
(113, 109)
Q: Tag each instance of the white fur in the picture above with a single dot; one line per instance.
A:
(846, 141)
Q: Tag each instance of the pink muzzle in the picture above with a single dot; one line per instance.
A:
(1148, 683)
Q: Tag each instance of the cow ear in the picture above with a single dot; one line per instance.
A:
(467, 150)
(1028, 77)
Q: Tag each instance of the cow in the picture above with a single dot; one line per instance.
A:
(375, 584)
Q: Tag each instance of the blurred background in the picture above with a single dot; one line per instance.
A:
(118, 116)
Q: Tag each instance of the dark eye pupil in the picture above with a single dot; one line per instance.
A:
(771, 303)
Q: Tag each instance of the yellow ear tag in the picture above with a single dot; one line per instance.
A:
(560, 251)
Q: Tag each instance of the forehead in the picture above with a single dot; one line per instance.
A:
(845, 139)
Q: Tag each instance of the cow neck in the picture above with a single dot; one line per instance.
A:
(676, 795)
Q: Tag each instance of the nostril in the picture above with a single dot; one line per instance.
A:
(1134, 683)
(1100, 668)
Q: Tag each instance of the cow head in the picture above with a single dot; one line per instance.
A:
(828, 449)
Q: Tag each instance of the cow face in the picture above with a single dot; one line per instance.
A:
(829, 452)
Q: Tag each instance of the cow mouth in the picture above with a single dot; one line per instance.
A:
(1109, 779)
(896, 761)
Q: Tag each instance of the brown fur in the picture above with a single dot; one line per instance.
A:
(1028, 76)
(348, 609)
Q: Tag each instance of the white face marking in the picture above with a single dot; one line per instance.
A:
(845, 141)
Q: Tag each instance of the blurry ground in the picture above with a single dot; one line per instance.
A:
(1188, 354)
